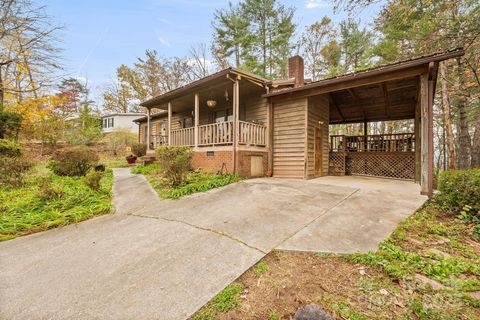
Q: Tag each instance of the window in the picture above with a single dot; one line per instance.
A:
(110, 122)
(187, 122)
(223, 115)
(104, 123)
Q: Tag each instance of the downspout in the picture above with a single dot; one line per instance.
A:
(148, 129)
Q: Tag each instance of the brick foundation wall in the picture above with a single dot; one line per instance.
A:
(213, 164)
(244, 164)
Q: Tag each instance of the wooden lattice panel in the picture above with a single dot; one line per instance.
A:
(399, 165)
(336, 164)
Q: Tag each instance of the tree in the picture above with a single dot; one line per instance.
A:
(231, 35)
(119, 96)
(28, 51)
(316, 44)
(273, 27)
(73, 92)
(355, 44)
(84, 130)
(200, 66)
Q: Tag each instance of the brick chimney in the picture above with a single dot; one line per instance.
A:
(295, 70)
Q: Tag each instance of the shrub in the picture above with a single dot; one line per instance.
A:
(47, 191)
(175, 162)
(73, 161)
(209, 182)
(118, 140)
(13, 165)
(9, 148)
(460, 189)
(93, 178)
(139, 149)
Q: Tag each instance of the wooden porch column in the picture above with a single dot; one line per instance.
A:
(197, 118)
(426, 133)
(236, 113)
(169, 124)
(148, 130)
(270, 135)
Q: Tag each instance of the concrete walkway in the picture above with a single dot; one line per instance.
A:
(165, 259)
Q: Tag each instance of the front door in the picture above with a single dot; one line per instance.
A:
(318, 152)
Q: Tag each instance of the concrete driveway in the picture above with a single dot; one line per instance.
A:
(165, 259)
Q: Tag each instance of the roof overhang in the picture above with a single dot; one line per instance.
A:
(403, 68)
(198, 84)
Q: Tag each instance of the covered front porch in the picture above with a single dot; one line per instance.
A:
(219, 116)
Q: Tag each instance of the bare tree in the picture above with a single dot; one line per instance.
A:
(200, 64)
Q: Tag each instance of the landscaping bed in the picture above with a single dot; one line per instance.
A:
(196, 181)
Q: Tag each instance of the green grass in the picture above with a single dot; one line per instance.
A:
(228, 299)
(260, 269)
(196, 181)
(27, 210)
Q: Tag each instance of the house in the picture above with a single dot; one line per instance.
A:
(251, 126)
(121, 120)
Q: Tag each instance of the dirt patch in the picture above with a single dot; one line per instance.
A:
(394, 283)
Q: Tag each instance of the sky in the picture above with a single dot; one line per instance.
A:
(100, 35)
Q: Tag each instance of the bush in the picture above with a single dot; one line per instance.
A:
(460, 188)
(13, 165)
(47, 191)
(175, 162)
(73, 161)
(93, 178)
(139, 149)
(118, 140)
(9, 149)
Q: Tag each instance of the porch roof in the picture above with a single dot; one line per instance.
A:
(201, 84)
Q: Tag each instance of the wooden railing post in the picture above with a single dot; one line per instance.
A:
(148, 129)
(236, 105)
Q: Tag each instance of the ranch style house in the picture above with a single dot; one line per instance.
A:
(241, 123)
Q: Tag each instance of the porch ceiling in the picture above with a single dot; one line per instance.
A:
(389, 100)
(214, 91)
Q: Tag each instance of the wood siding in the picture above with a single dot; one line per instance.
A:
(318, 110)
(256, 110)
(289, 119)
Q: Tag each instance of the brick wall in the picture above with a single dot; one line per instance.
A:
(212, 163)
(244, 162)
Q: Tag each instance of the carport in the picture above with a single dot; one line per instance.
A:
(302, 146)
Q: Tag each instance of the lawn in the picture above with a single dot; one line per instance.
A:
(429, 269)
(47, 201)
(196, 181)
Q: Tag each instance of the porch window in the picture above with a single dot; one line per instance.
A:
(223, 115)
(187, 122)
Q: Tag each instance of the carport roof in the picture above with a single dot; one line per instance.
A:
(380, 70)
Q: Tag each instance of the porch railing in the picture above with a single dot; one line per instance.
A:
(158, 140)
(252, 134)
(400, 142)
(183, 137)
(215, 134)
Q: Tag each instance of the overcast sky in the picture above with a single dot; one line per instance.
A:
(100, 35)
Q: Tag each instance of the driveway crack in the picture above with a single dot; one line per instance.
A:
(319, 216)
(223, 234)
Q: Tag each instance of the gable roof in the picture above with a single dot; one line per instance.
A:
(391, 67)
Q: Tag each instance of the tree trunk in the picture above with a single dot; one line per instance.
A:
(464, 140)
(476, 145)
(452, 157)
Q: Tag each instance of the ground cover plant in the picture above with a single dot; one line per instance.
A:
(47, 200)
(429, 269)
(194, 181)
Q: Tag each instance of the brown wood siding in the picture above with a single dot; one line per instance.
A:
(318, 110)
(256, 110)
(289, 120)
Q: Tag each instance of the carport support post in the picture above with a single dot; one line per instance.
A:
(426, 101)
(197, 117)
(169, 123)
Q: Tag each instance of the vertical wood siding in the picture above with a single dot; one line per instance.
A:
(318, 110)
(289, 120)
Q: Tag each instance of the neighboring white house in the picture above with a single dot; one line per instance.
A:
(121, 120)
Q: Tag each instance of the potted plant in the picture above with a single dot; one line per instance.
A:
(131, 159)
